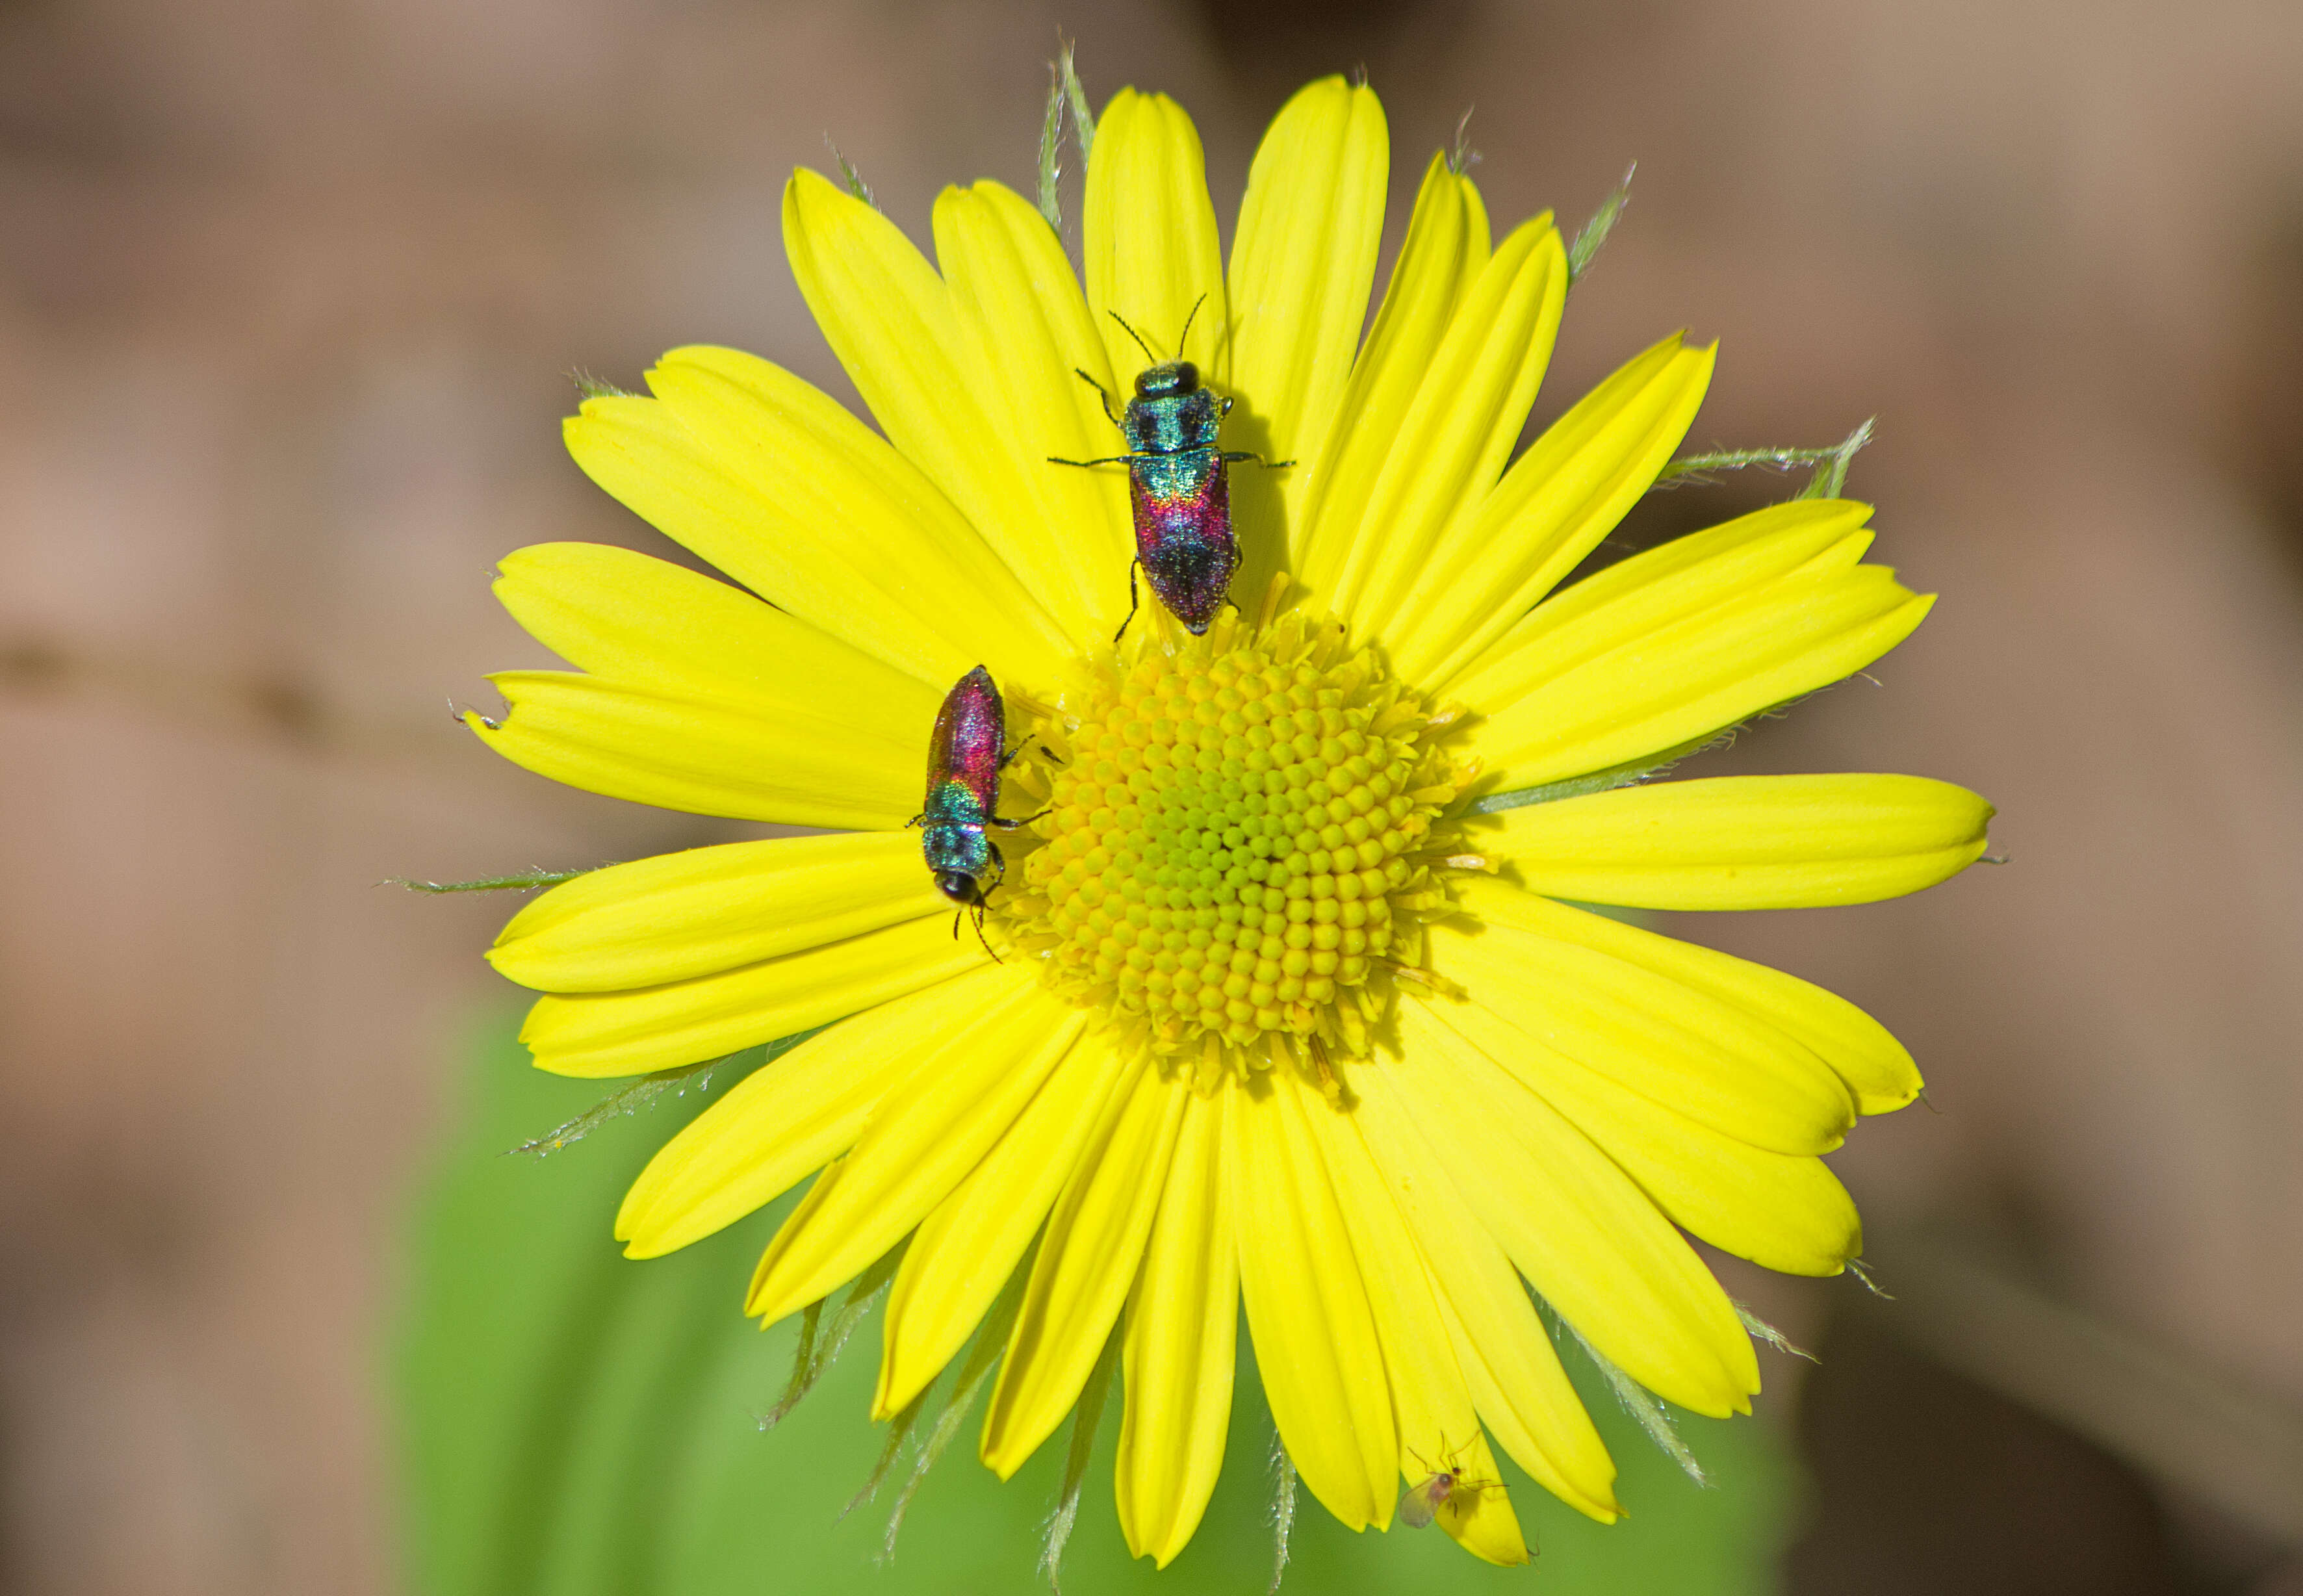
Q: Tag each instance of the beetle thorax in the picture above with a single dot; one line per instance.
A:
(1168, 423)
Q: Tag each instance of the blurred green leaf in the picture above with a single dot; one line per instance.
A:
(572, 1422)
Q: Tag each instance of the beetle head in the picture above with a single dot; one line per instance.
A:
(1171, 379)
(959, 887)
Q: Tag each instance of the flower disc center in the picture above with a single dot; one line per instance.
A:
(1240, 837)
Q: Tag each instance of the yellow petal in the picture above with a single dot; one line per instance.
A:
(659, 1028)
(1687, 577)
(927, 1131)
(1027, 326)
(894, 325)
(1778, 1210)
(1148, 240)
(797, 764)
(965, 1250)
(1432, 1408)
(681, 915)
(1652, 1035)
(791, 1115)
(1672, 580)
(1451, 443)
(648, 623)
(1307, 1306)
(779, 487)
(1593, 1243)
(1506, 1358)
(1742, 842)
(1858, 1048)
(1554, 504)
(1302, 263)
(1662, 687)
(1088, 1258)
(1180, 1348)
(1446, 249)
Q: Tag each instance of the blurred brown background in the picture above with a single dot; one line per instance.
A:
(288, 294)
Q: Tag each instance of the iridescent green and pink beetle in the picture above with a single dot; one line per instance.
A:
(1178, 485)
(966, 752)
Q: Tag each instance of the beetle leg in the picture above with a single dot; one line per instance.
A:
(1012, 754)
(1133, 600)
(1269, 465)
(1100, 392)
(1109, 459)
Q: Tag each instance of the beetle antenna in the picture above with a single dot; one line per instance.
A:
(1188, 318)
(1132, 333)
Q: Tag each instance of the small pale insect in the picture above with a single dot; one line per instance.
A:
(1420, 1503)
(1443, 1489)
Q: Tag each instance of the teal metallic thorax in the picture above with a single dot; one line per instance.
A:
(955, 819)
(1166, 417)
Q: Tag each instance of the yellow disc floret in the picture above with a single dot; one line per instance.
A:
(1240, 842)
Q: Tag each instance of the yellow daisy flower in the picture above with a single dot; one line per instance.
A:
(1292, 1004)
